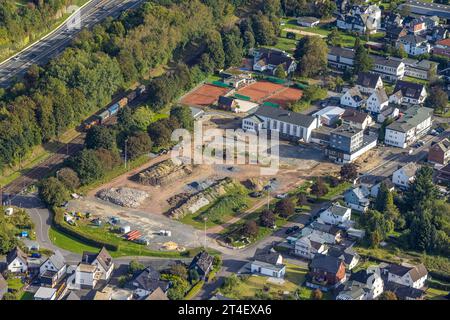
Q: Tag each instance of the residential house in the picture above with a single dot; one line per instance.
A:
(17, 261)
(368, 82)
(442, 47)
(53, 269)
(291, 125)
(405, 175)
(44, 293)
(158, 294)
(376, 188)
(414, 45)
(393, 34)
(308, 246)
(408, 275)
(362, 19)
(389, 68)
(430, 22)
(353, 98)
(415, 26)
(357, 198)
(268, 263)
(147, 281)
(439, 153)
(356, 119)
(202, 263)
(405, 292)
(377, 101)
(414, 123)
(226, 103)
(308, 21)
(330, 234)
(326, 272)
(336, 214)
(329, 115)
(267, 60)
(348, 143)
(438, 33)
(424, 69)
(3, 286)
(390, 112)
(343, 6)
(93, 268)
(392, 20)
(362, 285)
(347, 255)
(443, 175)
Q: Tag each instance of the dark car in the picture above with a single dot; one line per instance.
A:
(298, 210)
(292, 229)
(255, 194)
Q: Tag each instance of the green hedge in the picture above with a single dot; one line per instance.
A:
(439, 276)
(432, 283)
(194, 290)
(61, 225)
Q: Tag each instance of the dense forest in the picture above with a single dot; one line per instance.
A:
(22, 22)
(108, 59)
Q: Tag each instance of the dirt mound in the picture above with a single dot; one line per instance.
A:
(125, 197)
(255, 184)
(164, 173)
(203, 198)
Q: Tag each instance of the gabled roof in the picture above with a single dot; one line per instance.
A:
(149, 280)
(158, 294)
(274, 57)
(345, 254)
(361, 192)
(103, 257)
(381, 95)
(443, 145)
(342, 52)
(57, 260)
(267, 256)
(226, 101)
(368, 80)
(412, 39)
(326, 263)
(411, 118)
(337, 209)
(354, 116)
(285, 116)
(409, 89)
(203, 261)
(355, 94)
(445, 42)
(16, 253)
(410, 169)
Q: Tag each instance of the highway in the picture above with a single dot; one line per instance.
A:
(52, 45)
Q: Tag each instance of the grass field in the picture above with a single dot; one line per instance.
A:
(127, 248)
(435, 294)
(15, 283)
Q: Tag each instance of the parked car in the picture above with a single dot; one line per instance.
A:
(36, 255)
(255, 194)
(282, 196)
(292, 229)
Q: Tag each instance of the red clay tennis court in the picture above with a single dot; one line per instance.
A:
(205, 95)
(262, 91)
(289, 95)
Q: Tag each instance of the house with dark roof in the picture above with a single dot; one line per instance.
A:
(329, 234)
(326, 272)
(443, 175)
(347, 255)
(202, 263)
(406, 92)
(393, 34)
(290, 125)
(336, 214)
(362, 285)
(356, 119)
(308, 246)
(368, 82)
(411, 125)
(439, 153)
(357, 198)
(53, 269)
(268, 263)
(407, 275)
(362, 19)
(267, 60)
(94, 267)
(226, 103)
(17, 261)
(414, 45)
(438, 33)
(146, 282)
(348, 143)
(392, 20)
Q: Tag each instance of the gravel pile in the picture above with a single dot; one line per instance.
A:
(125, 197)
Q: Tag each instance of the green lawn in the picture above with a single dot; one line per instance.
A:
(15, 283)
(435, 294)
(127, 248)
(27, 296)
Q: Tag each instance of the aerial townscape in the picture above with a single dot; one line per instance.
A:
(349, 195)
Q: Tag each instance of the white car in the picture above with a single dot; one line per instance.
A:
(282, 196)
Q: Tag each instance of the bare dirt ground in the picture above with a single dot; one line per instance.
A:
(304, 33)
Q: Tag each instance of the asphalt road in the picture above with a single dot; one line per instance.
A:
(42, 51)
